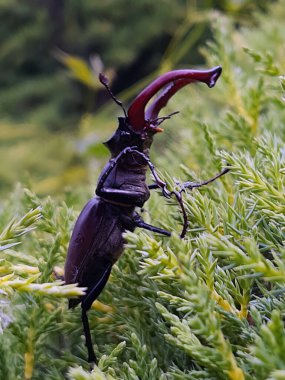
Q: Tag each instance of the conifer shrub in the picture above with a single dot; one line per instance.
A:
(210, 306)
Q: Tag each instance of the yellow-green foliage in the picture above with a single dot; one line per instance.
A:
(210, 306)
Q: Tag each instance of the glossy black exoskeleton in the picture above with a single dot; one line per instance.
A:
(97, 239)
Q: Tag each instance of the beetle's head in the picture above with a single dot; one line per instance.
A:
(142, 121)
(124, 137)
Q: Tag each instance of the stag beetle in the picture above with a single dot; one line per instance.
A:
(97, 239)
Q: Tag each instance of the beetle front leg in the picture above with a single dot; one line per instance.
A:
(158, 182)
(191, 185)
(178, 195)
(122, 196)
(112, 163)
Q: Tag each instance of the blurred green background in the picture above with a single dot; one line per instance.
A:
(54, 114)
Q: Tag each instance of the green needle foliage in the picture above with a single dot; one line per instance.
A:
(210, 306)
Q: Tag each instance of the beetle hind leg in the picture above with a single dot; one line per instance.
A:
(88, 341)
(95, 286)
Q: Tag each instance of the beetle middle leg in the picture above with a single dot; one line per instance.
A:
(139, 222)
(133, 221)
(191, 185)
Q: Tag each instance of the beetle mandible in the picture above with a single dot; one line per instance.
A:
(97, 239)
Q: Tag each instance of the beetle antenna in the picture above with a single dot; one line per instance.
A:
(104, 80)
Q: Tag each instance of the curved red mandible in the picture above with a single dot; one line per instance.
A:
(173, 81)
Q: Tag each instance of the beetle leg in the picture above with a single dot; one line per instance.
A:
(160, 184)
(188, 185)
(94, 291)
(191, 185)
(178, 196)
(153, 186)
(138, 222)
(131, 222)
(113, 162)
(88, 341)
(165, 192)
(92, 294)
(123, 197)
(184, 214)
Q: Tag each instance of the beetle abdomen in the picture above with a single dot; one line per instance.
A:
(96, 244)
